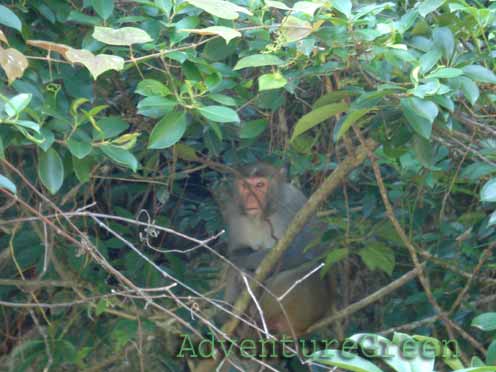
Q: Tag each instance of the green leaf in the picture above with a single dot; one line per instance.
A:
(5, 183)
(444, 101)
(185, 152)
(429, 59)
(79, 149)
(16, 104)
(333, 97)
(151, 87)
(293, 29)
(478, 369)
(225, 32)
(103, 8)
(28, 124)
(253, 128)
(469, 88)
(271, 81)
(220, 8)
(428, 6)
(480, 73)
(491, 353)
(155, 107)
(164, 5)
(428, 89)
(8, 18)
(351, 119)
(445, 73)
(121, 156)
(306, 7)
(257, 60)
(317, 116)
(82, 168)
(51, 170)
(111, 126)
(378, 257)
(488, 191)
(277, 5)
(78, 17)
(343, 359)
(223, 99)
(444, 39)
(476, 170)
(168, 131)
(344, 6)
(420, 114)
(219, 114)
(123, 36)
(485, 322)
(423, 151)
(336, 255)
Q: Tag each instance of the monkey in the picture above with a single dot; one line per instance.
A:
(258, 207)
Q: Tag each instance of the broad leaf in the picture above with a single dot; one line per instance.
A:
(293, 29)
(168, 131)
(103, 8)
(429, 59)
(151, 87)
(253, 128)
(225, 32)
(377, 256)
(485, 322)
(420, 114)
(78, 148)
(219, 114)
(121, 156)
(271, 81)
(17, 104)
(277, 5)
(7, 184)
(445, 73)
(111, 126)
(258, 60)
(428, 6)
(307, 7)
(123, 36)
(480, 73)
(488, 191)
(155, 107)
(51, 170)
(345, 360)
(444, 39)
(9, 18)
(317, 116)
(344, 6)
(220, 8)
(96, 65)
(469, 88)
(351, 119)
(82, 168)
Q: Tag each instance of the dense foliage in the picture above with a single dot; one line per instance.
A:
(118, 117)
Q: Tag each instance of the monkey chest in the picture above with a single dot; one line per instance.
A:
(257, 234)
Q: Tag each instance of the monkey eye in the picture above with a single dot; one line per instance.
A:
(260, 185)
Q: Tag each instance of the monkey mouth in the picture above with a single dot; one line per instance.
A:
(252, 211)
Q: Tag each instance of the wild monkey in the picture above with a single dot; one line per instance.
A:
(257, 208)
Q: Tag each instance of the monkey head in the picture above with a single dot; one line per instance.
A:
(256, 187)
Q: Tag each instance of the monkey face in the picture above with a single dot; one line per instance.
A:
(253, 194)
